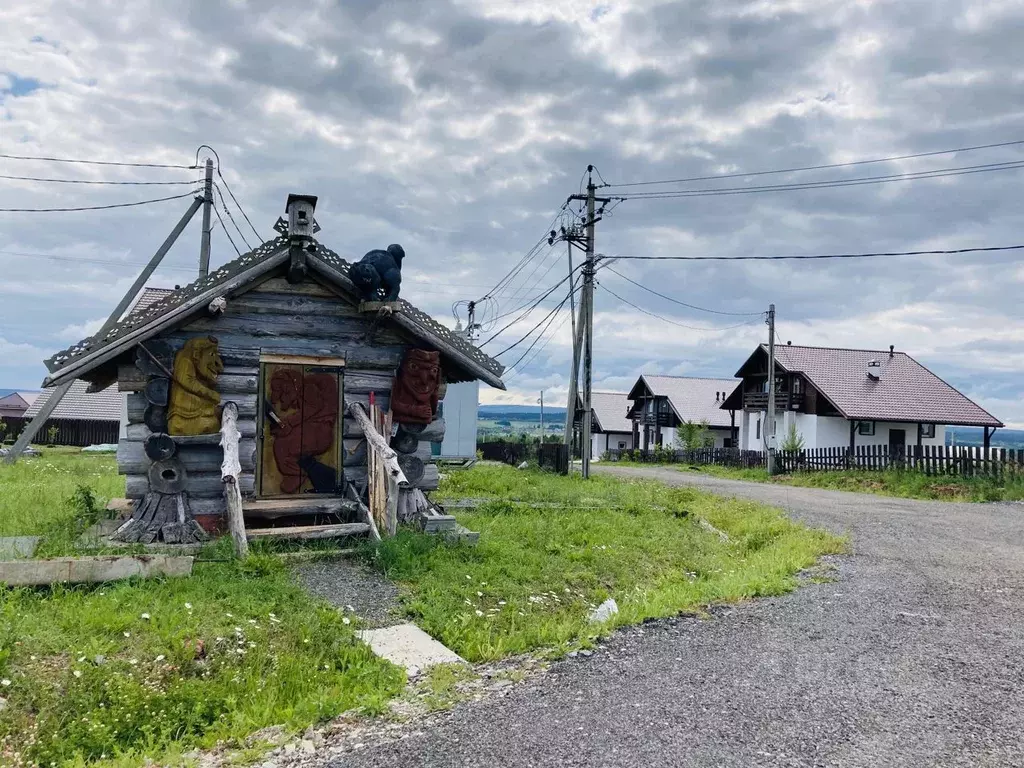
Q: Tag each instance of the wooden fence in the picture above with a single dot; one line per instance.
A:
(969, 461)
(80, 432)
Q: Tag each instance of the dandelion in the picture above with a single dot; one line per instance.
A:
(145, 616)
(346, 620)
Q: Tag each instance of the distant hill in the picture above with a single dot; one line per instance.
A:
(6, 392)
(520, 410)
(1003, 438)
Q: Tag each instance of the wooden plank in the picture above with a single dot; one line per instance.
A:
(242, 348)
(232, 384)
(132, 458)
(200, 485)
(130, 378)
(280, 303)
(137, 406)
(309, 504)
(363, 381)
(334, 362)
(309, 532)
(293, 327)
(430, 479)
(82, 570)
(307, 288)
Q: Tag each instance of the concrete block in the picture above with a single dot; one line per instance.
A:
(13, 547)
(408, 646)
(79, 570)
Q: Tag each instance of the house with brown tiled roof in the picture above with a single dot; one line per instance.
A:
(660, 404)
(837, 398)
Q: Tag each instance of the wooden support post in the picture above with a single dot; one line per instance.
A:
(384, 467)
(988, 439)
(853, 432)
(36, 424)
(229, 471)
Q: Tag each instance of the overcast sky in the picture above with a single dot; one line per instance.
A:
(459, 128)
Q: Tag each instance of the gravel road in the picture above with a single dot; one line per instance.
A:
(914, 657)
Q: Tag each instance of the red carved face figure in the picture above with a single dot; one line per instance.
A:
(421, 373)
(284, 389)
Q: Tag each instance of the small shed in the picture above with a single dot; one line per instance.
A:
(286, 335)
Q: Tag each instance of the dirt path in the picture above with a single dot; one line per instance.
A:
(912, 657)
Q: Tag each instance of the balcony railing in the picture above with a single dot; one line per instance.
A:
(784, 401)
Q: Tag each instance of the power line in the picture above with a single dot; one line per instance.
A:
(103, 183)
(540, 349)
(230, 239)
(228, 212)
(551, 319)
(96, 207)
(530, 254)
(87, 260)
(94, 162)
(987, 249)
(531, 308)
(238, 204)
(827, 184)
(820, 167)
(525, 336)
(676, 301)
(673, 322)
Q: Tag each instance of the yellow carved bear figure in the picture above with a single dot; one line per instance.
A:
(194, 407)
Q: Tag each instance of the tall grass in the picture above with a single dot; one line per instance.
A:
(900, 483)
(538, 571)
(36, 493)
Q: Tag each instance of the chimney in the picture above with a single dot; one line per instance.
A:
(300, 234)
(874, 370)
(891, 348)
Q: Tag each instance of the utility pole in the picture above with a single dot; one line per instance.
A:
(586, 325)
(204, 248)
(770, 420)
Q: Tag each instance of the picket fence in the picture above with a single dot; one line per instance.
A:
(969, 461)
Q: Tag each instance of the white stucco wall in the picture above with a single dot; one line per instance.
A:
(827, 431)
(461, 402)
(609, 441)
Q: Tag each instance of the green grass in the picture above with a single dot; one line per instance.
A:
(36, 493)
(904, 484)
(136, 668)
(537, 572)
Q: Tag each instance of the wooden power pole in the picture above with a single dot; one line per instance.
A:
(769, 424)
(204, 249)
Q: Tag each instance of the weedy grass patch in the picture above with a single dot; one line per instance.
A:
(907, 484)
(36, 494)
(146, 668)
(538, 571)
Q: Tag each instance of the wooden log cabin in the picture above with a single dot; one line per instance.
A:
(284, 333)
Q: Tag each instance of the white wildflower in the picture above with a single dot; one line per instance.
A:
(479, 612)
(468, 577)
(145, 616)
(188, 606)
(78, 673)
(5, 682)
(346, 620)
(161, 657)
(127, 634)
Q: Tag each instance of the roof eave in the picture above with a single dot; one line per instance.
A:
(82, 366)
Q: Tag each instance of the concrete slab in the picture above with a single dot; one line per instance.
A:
(408, 646)
(77, 570)
(13, 547)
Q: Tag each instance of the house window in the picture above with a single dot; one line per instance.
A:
(727, 442)
(866, 428)
(927, 430)
(757, 435)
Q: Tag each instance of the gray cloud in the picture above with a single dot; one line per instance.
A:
(459, 128)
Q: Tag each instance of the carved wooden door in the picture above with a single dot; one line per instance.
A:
(300, 428)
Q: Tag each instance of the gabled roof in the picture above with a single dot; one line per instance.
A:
(905, 391)
(179, 305)
(105, 405)
(19, 399)
(692, 398)
(610, 409)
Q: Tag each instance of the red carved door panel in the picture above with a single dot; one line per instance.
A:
(300, 429)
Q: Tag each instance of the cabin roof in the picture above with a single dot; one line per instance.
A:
(153, 314)
(904, 391)
(610, 409)
(78, 403)
(692, 398)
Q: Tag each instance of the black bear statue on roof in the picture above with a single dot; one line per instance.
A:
(378, 275)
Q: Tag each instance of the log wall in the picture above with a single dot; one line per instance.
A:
(274, 317)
